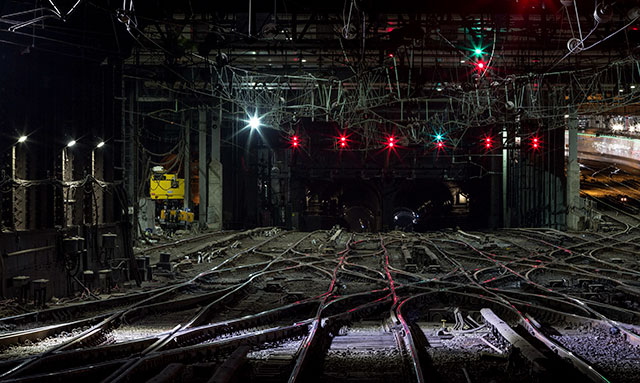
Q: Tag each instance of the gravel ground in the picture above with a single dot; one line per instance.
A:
(481, 362)
(29, 348)
(609, 354)
(364, 353)
(152, 325)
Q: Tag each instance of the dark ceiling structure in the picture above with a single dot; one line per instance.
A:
(439, 78)
(206, 184)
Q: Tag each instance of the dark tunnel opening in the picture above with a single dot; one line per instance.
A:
(419, 205)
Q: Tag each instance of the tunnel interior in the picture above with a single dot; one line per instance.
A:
(362, 205)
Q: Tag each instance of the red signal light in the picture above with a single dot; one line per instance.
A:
(343, 141)
(535, 143)
(488, 142)
(481, 66)
(295, 141)
(391, 142)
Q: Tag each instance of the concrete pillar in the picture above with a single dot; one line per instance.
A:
(187, 160)
(202, 166)
(573, 175)
(19, 171)
(505, 154)
(214, 200)
(67, 192)
(97, 171)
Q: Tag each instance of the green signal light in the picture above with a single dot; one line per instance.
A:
(477, 51)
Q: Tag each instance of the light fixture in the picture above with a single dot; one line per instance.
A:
(566, 116)
(71, 143)
(22, 139)
(632, 87)
(477, 51)
(254, 122)
(100, 144)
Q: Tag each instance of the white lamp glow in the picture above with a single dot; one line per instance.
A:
(254, 122)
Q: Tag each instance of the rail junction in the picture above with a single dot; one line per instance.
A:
(268, 305)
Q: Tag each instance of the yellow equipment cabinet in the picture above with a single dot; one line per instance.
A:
(166, 186)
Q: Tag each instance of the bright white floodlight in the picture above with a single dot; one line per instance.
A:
(22, 139)
(254, 122)
(100, 144)
(71, 143)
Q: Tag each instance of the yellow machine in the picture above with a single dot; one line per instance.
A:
(170, 189)
(166, 186)
(176, 216)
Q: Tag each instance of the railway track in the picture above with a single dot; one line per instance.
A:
(333, 306)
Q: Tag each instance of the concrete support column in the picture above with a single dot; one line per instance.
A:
(214, 200)
(202, 166)
(97, 171)
(505, 180)
(573, 175)
(187, 159)
(67, 192)
(19, 171)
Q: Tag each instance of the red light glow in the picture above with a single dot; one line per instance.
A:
(535, 143)
(343, 141)
(391, 142)
(488, 142)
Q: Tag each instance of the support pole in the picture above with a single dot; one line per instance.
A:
(573, 174)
